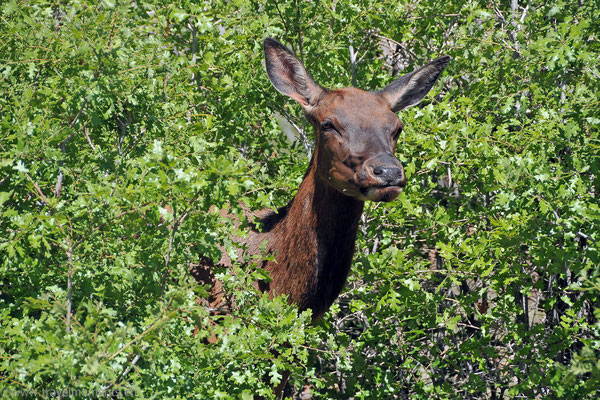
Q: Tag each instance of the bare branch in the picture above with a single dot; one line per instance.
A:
(86, 132)
(134, 141)
(302, 132)
(165, 82)
(36, 186)
(69, 286)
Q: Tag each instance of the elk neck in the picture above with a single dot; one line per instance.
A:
(313, 238)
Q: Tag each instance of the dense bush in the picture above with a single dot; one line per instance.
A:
(124, 123)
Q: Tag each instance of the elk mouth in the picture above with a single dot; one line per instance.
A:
(381, 193)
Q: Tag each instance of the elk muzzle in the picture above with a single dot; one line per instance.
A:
(382, 178)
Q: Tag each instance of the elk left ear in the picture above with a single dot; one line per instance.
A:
(288, 75)
(410, 89)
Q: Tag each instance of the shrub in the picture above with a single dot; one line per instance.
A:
(127, 125)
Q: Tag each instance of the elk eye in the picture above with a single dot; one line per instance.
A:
(397, 133)
(327, 125)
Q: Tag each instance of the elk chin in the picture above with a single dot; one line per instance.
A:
(381, 193)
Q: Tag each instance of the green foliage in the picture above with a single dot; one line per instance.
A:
(126, 126)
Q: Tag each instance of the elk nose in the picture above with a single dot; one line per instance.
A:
(393, 176)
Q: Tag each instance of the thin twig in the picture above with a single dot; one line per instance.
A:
(69, 286)
(59, 180)
(126, 370)
(287, 29)
(300, 44)
(165, 81)
(123, 123)
(63, 144)
(174, 228)
(135, 339)
(87, 236)
(168, 257)
(86, 132)
(36, 186)
(133, 141)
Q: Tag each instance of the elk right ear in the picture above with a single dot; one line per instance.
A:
(410, 89)
(288, 75)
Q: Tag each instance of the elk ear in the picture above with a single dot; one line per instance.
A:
(288, 75)
(410, 89)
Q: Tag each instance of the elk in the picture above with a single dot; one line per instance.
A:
(312, 238)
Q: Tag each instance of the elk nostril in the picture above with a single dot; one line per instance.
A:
(378, 170)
